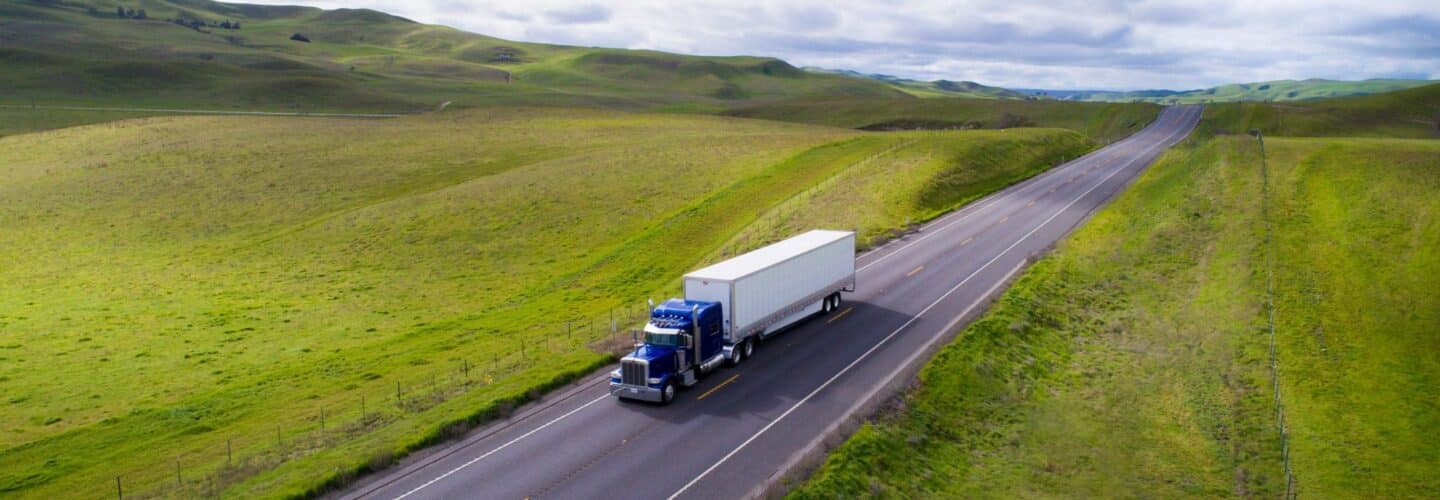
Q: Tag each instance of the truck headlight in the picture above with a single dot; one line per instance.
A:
(615, 374)
(654, 380)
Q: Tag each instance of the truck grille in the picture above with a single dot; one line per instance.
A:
(632, 372)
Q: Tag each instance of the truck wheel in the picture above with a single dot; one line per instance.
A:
(747, 348)
(836, 301)
(667, 393)
(825, 305)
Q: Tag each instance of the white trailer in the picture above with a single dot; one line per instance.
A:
(765, 290)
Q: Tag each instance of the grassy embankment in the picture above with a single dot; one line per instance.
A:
(1102, 121)
(1413, 113)
(194, 281)
(1133, 361)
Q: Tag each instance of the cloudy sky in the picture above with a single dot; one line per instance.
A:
(1058, 44)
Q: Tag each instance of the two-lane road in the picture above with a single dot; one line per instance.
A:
(742, 426)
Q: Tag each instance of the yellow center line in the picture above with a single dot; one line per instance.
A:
(967, 241)
(722, 384)
(1007, 217)
(1031, 204)
(841, 315)
(913, 271)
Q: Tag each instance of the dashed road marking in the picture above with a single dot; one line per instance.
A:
(913, 271)
(838, 316)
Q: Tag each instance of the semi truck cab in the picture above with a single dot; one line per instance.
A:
(683, 341)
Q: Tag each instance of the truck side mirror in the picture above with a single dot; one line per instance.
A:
(689, 341)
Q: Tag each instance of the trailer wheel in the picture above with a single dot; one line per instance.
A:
(825, 305)
(748, 348)
(836, 300)
(667, 393)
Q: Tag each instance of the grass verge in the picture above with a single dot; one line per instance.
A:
(1133, 361)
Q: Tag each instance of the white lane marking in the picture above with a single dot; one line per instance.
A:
(501, 447)
(907, 324)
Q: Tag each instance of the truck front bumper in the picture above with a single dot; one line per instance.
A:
(635, 392)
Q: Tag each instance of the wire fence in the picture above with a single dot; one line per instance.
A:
(208, 469)
(1291, 488)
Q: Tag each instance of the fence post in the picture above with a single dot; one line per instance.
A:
(322, 419)
(119, 491)
(229, 453)
(362, 410)
(178, 481)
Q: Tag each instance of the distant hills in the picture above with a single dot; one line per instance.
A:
(937, 88)
(1277, 90)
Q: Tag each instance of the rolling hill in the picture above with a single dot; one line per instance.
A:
(218, 55)
(1410, 113)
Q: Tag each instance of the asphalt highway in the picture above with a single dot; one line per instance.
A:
(742, 426)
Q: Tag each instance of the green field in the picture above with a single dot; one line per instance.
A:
(194, 282)
(1133, 362)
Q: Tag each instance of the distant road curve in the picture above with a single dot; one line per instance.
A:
(743, 428)
(205, 111)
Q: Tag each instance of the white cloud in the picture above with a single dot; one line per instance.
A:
(1021, 43)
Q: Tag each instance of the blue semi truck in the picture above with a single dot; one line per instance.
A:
(730, 307)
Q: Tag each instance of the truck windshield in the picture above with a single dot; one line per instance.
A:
(665, 339)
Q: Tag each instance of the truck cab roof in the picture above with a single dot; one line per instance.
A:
(675, 313)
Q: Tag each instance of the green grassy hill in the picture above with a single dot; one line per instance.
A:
(1413, 113)
(194, 284)
(82, 52)
(1278, 90)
